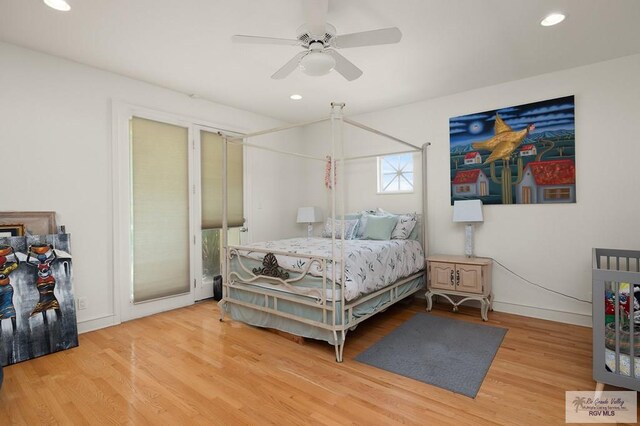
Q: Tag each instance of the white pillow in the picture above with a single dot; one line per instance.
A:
(406, 223)
(349, 228)
(362, 223)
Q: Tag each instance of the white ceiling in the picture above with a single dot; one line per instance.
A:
(448, 46)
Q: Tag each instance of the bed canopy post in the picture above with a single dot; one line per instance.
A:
(337, 163)
(225, 207)
(425, 234)
(336, 118)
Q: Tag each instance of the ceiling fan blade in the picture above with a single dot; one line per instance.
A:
(344, 66)
(289, 67)
(315, 14)
(264, 40)
(368, 38)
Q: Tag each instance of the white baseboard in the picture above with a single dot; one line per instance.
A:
(532, 311)
(542, 313)
(420, 295)
(97, 323)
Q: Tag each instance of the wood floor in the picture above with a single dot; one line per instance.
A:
(186, 367)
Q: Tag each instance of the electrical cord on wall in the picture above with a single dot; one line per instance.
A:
(540, 286)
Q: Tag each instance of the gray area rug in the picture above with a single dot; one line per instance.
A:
(444, 352)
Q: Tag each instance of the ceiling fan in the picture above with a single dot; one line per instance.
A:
(320, 41)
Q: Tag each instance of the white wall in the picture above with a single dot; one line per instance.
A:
(360, 176)
(55, 139)
(548, 244)
(276, 186)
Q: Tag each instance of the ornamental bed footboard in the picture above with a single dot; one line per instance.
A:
(301, 302)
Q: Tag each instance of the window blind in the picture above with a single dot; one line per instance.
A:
(211, 145)
(160, 212)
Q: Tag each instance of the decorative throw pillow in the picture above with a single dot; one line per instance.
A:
(354, 216)
(404, 226)
(349, 228)
(379, 227)
(362, 223)
(415, 234)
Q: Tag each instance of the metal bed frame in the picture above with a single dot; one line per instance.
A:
(337, 320)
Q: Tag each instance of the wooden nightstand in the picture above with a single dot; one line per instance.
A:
(468, 277)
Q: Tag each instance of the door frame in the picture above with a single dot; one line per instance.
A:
(122, 112)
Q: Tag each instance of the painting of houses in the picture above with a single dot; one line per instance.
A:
(547, 182)
(468, 183)
(522, 154)
(472, 158)
(528, 150)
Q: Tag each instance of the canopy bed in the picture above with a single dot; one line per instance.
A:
(323, 287)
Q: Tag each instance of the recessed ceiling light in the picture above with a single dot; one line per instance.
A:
(295, 97)
(552, 19)
(60, 5)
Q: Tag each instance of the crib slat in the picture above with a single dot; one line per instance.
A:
(632, 331)
(616, 286)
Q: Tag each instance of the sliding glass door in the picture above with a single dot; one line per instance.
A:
(211, 146)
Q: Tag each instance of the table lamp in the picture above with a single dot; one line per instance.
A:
(309, 215)
(469, 212)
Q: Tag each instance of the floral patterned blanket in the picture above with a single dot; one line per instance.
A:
(369, 265)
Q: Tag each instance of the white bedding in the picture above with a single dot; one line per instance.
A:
(370, 265)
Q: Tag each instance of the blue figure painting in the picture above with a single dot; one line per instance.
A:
(36, 297)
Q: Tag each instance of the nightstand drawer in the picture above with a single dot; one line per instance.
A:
(442, 275)
(469, 278)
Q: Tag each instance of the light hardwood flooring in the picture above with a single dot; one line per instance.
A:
(186, 367)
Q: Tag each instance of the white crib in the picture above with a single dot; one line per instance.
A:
(616, 350)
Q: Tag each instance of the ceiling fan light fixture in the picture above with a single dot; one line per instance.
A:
(552, 19)
(60, 5)
(317, 64)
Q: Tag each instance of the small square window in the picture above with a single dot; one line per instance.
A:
(395, 174)
(557, 193)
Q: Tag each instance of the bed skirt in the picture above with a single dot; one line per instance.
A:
(267, 320)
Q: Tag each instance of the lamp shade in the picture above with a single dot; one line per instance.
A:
(467, 211)
(309, 215)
